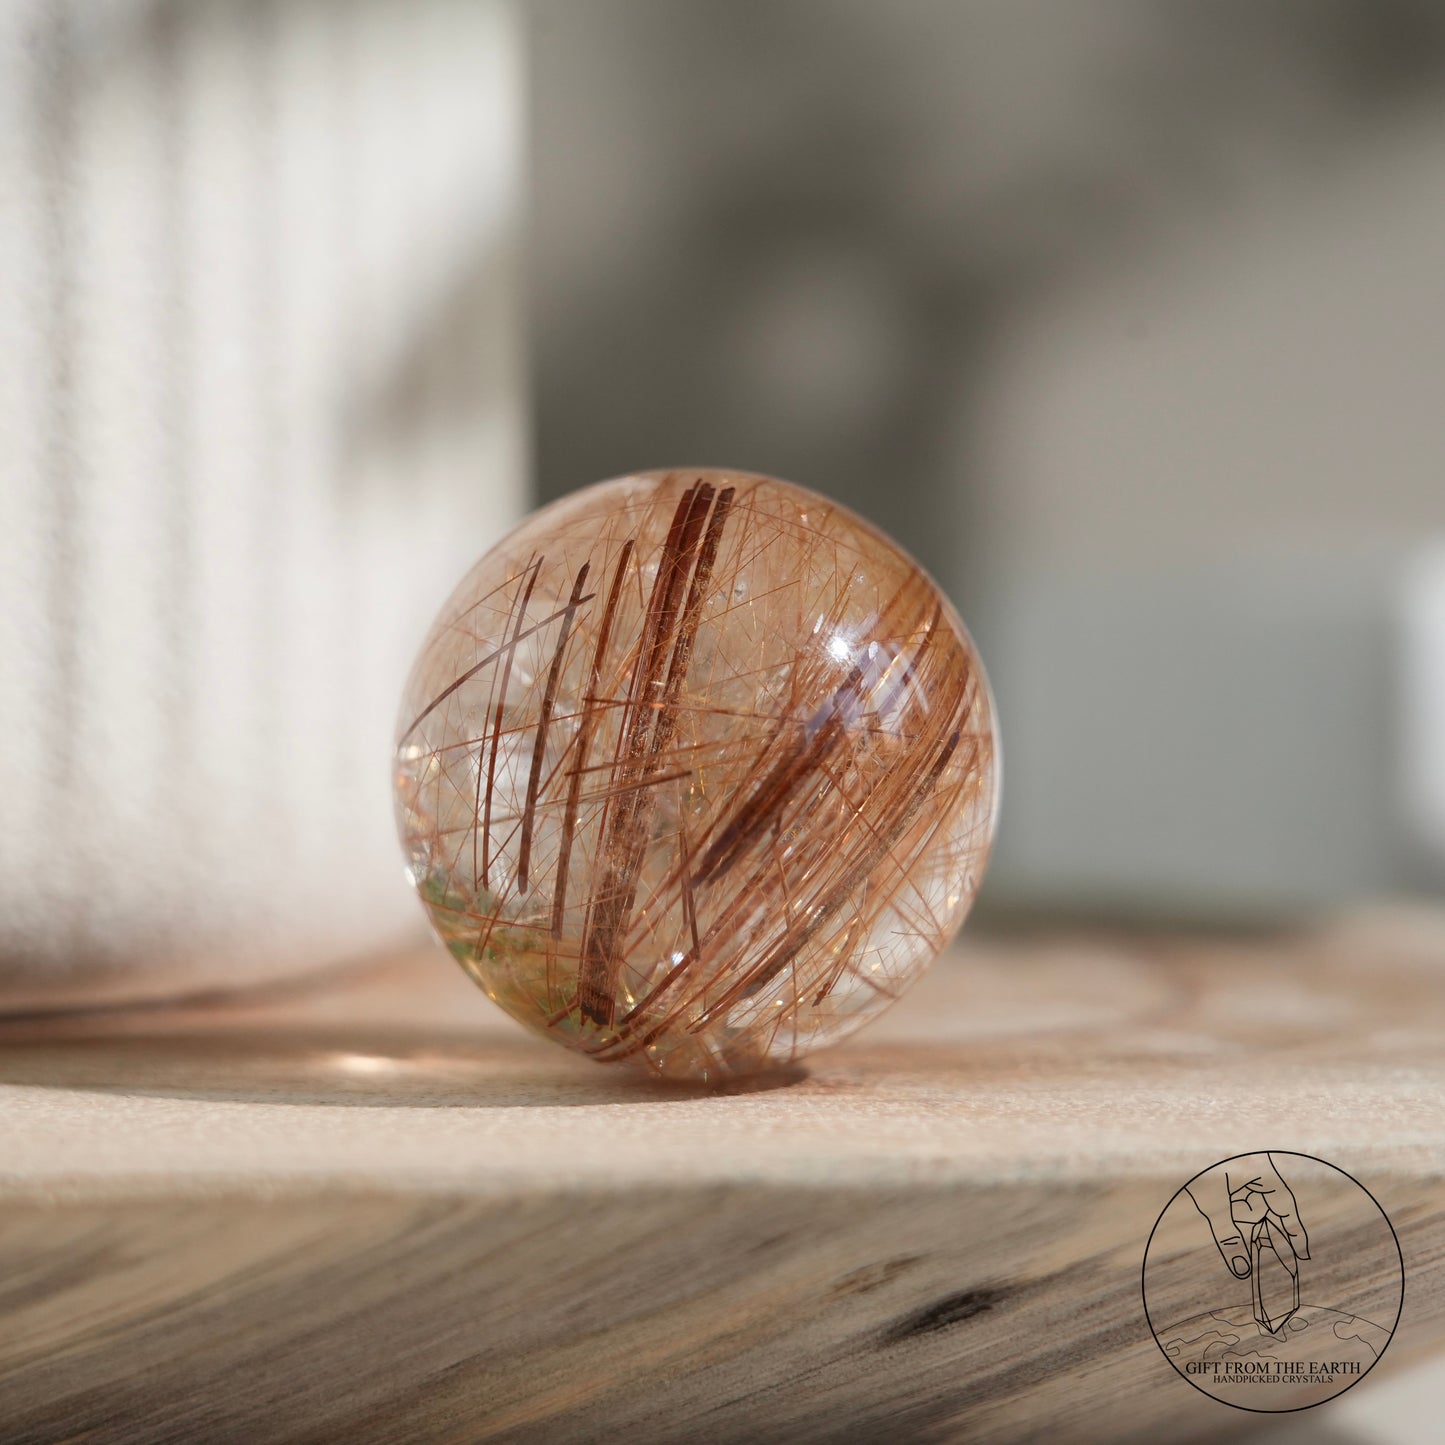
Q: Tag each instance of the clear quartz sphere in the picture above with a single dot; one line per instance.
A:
(696, 769)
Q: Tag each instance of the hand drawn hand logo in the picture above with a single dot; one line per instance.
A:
(1255, 1221)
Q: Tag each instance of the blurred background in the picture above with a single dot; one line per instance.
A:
(1125, 318)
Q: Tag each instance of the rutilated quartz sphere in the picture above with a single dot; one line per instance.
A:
(696, 769)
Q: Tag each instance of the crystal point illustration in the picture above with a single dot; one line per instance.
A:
(1274, 1275)
(697, 770)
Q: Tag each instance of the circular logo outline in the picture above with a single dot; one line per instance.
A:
(1144, 1293)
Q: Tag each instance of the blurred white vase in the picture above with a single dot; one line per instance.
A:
(260, 405)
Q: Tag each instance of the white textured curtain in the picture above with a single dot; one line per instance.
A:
(259, 407)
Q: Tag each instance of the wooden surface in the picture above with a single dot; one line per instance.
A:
(378, 1211)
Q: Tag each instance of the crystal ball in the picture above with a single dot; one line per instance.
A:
(696, 770)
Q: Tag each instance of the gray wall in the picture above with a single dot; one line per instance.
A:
(1124, 317)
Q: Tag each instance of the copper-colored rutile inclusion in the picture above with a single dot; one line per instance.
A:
(697, 770)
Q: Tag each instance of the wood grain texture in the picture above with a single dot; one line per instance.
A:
(379, 1212)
